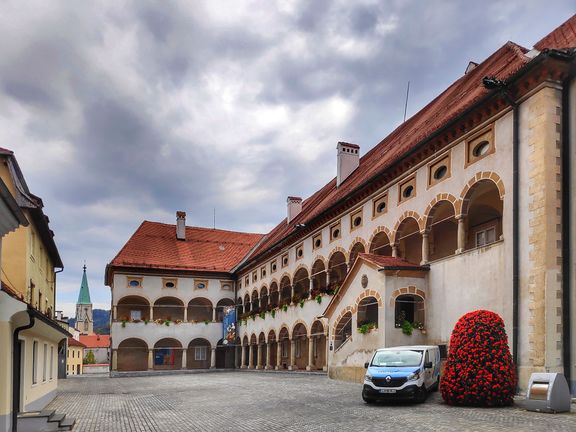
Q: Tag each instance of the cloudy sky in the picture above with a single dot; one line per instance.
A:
(120, 111)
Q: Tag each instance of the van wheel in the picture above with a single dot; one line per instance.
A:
(436, 385)
(421, 395)
(367, 400)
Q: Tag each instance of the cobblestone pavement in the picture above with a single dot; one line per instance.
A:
(251, 401)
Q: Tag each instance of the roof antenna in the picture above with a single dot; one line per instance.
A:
(406, 103)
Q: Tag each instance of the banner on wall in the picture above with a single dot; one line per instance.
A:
(229, 325)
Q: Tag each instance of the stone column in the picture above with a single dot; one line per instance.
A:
(310, 353)
(243, 357)
(291, 292)
(310, 288)
(184, 358)
(251, 357)
(259, 356)
(461, 234)
(278, 354)
(425, 248)
(395, 251)
(291, 366)
(213, 358)
(151, 313)
(185, 314)
(115, 312)
(268, 366)
(114, 359)
(150, 359)
(213, 314)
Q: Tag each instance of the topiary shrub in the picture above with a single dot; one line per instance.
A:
(479, 370)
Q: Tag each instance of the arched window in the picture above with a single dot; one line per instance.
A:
(169, 308)
(301, 284)
(285, 291)
(200, 309)
(255, 302)
(168, 354)
(132, 355)
(220, 306)
(356, 249)
(338, 268)
(246, 303)
(274, 295)
(409, 240)
(443, 231)
(318, 278)
(198, 354)
(264, 300)
(343, 330)
(132, 308)
(408, 307)
(367, 312)
(483, 208)
(381, 245)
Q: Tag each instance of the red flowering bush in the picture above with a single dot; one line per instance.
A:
(479, 370)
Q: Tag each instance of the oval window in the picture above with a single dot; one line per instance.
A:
(300, 252)
(357, 221)
(134, 283)
(481, 149)
(408, 191)
(201, 285)
(318, 243)
(273, 267)
(381, 207)
(336, 233)
(440, 172)
(285, 261)
(169, 285)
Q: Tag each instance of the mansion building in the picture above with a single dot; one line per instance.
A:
(465, 206)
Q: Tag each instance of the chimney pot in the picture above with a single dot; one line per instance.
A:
(348, 159)
(181, 225)
(294, 207)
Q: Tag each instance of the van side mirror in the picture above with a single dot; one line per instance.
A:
(366, 365)
(428, 365)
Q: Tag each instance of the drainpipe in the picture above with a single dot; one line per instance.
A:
(16, 366)
(566, 231)
(54, 288)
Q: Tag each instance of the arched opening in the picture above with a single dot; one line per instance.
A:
(300, 338)
(169, 309)
(263, 347)
(301, 285)
(239, 307)
(318, 276)
(247, 304)
(285, 291)
(284, 341)
(409, 307)
(254, 350)
(133, 308)
(356, 249)
(225, 355)
(274, 295)
(367, 312)
(221, 306)
(343, 330)
(381, 245)
(318, 341)
(409, 241)
(246, 345)
(200, 310)
(273, 347)
(264, 299)
(132, 355)
(167, 354)
(337, 269)
(484, 210)
(198, 354)
(255, 308)
(442, 230)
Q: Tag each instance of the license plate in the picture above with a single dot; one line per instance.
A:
(387, 390)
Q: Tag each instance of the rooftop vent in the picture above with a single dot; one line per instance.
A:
(181, 225)
(471, 66)
(348, 159)
(294, 207)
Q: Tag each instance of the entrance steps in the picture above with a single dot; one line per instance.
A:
(44, 421)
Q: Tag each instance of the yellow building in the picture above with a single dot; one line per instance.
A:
(74, 357)
(30, 337)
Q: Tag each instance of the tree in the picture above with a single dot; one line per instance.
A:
(89, 359)
(479, 370)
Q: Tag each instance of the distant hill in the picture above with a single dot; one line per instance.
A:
(101, 321)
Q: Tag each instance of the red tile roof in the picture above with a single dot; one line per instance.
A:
(154, 245)
(461, 95)
(388, 262)
(74, 342)
(563, 36)
(95, 341)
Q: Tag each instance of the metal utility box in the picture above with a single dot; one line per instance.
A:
(548, 392)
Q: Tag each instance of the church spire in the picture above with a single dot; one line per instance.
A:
(84, 296)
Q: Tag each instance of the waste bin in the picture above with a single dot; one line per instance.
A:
(548, 392)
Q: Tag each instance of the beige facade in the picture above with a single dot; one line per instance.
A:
(74, 360)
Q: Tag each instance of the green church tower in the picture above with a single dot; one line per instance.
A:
(84, 319)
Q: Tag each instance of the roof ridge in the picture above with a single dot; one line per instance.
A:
(203, 228)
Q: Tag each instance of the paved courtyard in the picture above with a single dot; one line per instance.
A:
(251, 401)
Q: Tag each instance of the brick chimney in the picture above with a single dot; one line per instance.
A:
(348, 159)
(294, 207)
(181, 225)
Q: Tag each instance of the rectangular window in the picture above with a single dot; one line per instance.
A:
(35, 362)
(285, 349)
(51, 363)
(45, 362)
(200, 353)
(485, 237)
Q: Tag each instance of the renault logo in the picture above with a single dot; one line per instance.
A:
(388, 379)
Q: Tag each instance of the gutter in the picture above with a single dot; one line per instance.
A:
(16, 366)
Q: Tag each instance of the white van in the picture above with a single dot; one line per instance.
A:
(404, 372)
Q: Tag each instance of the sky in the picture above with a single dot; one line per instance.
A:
(122, 111)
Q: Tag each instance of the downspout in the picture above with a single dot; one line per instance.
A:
(16, 366)
(54, 288)
(566, 231)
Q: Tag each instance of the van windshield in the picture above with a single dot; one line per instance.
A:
(404, 358)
